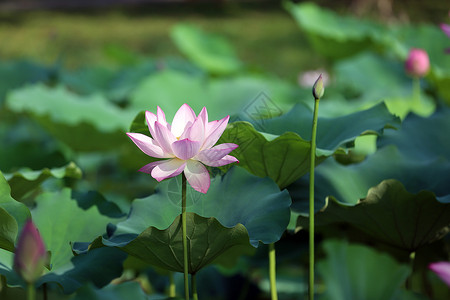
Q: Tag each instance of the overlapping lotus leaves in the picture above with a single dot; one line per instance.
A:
(392, 215)
(66, 225)
(13, 216)
(25, 180)
(234, 198)
(333, 35)
(352, 271)
(210, 52)
(422, 139)
(285, 158)
(84, 123)
(239, 211)
(208, 242)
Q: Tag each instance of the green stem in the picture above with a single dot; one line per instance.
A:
(31, 291)
(185, 248)
(172, 289)
(272, 272)
(311, 201)
(194, 287)
(416, 90)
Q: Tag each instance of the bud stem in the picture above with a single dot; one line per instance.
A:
(311, 201)
(31, 291)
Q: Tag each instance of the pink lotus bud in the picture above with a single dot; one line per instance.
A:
(318, 88)
(442, 269)
(30, 256)
(417, 64)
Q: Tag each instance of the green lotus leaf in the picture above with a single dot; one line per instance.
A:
(285, 158)
(8, 230)
(25, 180)
(17, 73)
(352, 271)
(421, 139)
(265, 219)
(240, 96)
(369, 71)
(126, 290)
(208, 242)
(84, 123)
(13, 216)
(210, 52)
(392, 215)
(69, 223)
(332, 133)
(223, 224)
(333, 35)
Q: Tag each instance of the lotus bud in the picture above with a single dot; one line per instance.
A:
(417, 64)
(318, 88)
(442, 269)
(30, 256)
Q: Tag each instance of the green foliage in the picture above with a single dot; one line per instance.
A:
(352, 271)
(284, 155)
(391, 215)
(23, 181)
(210, 52)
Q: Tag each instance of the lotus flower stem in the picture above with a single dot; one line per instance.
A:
(185, 249)
(311, 200)
(272, 272)
(416, 90)
(31, 291)
(194, 287)
(172, 290)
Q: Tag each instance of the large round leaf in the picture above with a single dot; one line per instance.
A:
(239, 211)
(235, 198)
(334, 35)
(13, 216)
(208, 242)
(210, 52)
(25, 180)
(84, 123)
(61, 222)
(392, 215)
(236, 96)
(285, 158)
(352, 271)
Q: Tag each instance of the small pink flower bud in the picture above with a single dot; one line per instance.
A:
(318, 88)
(417, 64)
(30, 256)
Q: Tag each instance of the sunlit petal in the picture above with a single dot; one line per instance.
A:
(184, 116)
(147, 145)
(197, 176)
(214, 132)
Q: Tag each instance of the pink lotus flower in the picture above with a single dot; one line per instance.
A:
(417, 64)
(30, 256)
(442, 269)
(188, 145)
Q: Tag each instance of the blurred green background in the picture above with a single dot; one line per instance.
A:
(265, 36)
